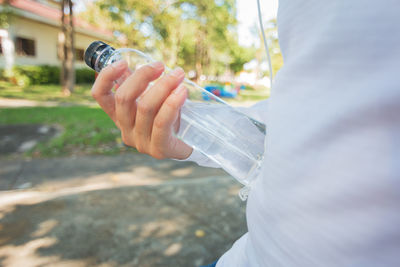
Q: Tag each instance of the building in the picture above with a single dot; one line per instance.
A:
(33, 34)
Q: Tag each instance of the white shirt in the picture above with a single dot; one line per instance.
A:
(329, 190)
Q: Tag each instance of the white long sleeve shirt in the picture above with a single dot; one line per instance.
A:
(329, 190)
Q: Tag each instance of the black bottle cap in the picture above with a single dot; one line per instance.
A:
(93, 51)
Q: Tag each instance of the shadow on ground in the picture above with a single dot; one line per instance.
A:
(185, 220)
(126, 169)
(171, 225)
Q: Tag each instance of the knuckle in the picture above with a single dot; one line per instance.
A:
(120, 98)
(160, 123)
(94, 93)
(172, 104)
(123, 96)
(144, 108)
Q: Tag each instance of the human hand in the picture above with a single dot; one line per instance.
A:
(147, 124)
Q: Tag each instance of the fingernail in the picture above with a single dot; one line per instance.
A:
(178, 72)
(157, 65)
(118, 64)
(179, 89)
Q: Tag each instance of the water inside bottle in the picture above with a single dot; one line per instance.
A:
(226, 136)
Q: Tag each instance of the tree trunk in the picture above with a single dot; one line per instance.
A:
(199, 56)
(67, 48)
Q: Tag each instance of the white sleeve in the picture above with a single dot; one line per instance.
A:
(257, 111)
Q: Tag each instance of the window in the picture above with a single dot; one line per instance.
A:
(79, 54)
(25, 47)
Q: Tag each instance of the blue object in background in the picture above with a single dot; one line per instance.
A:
(228, 94)
(218, 90)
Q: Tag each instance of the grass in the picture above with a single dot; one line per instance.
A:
(248, 96)
(87, 130)
(253, 95)
(81, 94)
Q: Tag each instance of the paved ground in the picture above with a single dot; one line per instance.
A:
(17, 103)
(14, 103)
(127, 210)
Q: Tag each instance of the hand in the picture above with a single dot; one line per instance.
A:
(148, 124)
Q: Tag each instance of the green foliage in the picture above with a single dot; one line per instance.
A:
(45, 74)
(84, 76)
(2, 75)
(240, 56)
(6, 14)
(197, 35)
(86, 130)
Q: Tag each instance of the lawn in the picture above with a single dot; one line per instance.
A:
(81, 94)
(87, 130)
(253, 95)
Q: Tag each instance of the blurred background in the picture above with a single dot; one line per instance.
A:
(72, 194)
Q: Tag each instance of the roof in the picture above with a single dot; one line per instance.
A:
(51, 14)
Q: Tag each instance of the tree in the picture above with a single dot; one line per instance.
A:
(197, 35)
(67, 48)
(240, 56)
(215, 24)
(5, 14)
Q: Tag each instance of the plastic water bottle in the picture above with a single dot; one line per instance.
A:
(208, 124)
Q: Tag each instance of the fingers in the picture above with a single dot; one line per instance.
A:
(150, 104)
(130, 90)
(146, 124)
(164, 144)
(101, 90)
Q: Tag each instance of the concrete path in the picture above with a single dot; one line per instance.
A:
(126, 210)
(16, 103)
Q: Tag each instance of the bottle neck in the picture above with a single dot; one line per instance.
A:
(102, 58)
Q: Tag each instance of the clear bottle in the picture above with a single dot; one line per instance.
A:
(208, 124)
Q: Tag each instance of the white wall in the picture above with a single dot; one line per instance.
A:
(46, 38)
